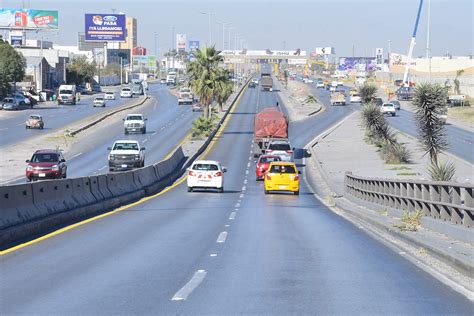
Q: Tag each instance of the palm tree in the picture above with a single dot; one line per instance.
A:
(225, 87)
(203, 72)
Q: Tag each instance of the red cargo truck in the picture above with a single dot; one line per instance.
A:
(270, 124)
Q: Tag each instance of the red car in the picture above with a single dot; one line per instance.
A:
(262, 165)
(46, 164)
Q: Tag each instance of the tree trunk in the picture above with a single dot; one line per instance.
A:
(206, 111)
(219, 106)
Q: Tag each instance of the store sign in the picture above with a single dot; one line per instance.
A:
(325, 51)
(17, 38)
(180, 42)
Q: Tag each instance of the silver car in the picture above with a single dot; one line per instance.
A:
(280, 148)
(10, 104)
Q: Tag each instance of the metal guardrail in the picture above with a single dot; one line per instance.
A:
(448, 201)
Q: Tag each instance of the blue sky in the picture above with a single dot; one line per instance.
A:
(343, 24)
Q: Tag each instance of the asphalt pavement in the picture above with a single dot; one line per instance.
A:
(240, 252)
(55, 116)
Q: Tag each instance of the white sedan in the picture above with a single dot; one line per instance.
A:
(206, 174)
(355, 98)
(99, 101)
(109, 96)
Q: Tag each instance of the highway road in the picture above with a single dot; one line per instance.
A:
(240, 252)
(167, 125)
(461, 141)
(13, 129)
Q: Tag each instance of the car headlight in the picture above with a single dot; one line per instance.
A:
(29, 168)
(112, 157)
(55, 168)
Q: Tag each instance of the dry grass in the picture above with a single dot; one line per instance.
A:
(410, 221)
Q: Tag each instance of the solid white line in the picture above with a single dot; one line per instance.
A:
(184, 292)
(222, 237)
(103, 167)
(75, 156)
(232, 216)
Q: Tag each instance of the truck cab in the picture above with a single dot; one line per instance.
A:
(67, 94)
(126, 155)
(134, 123)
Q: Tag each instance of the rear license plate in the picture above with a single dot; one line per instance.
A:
(134, 129)
(42, 175)
(124, 166)
(282, 186)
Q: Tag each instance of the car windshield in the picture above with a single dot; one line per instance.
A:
(99, 99)
(35, 117)
(269, 159)
(109, 93)
(283, 147)
(282, 169)
(65, 91)
(395, 102)
(126, 89)
(205, 167)
(7, 100)
(126, 146)
(134, 118)
(45, 158)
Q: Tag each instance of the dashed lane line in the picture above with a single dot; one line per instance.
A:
(187, 289)
(222, 237)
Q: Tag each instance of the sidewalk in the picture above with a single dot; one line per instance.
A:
(294, 97)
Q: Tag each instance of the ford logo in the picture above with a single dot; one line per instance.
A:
(110, 18)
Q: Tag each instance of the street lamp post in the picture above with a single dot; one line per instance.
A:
(210, 27)
(224, 24)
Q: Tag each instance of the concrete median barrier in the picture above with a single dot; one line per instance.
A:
(16, 201)
(32, 210)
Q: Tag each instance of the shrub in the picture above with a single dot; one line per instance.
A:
(395, 153)
(410, 221)
(443, 171)
(202, 127)
(367, 92)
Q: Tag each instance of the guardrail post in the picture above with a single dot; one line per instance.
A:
(418, 196)
(445, 211)
(435, 197)
(468, 217)
(411, 195)
(425, 195)
(391, 191)
(385, 185)
(398, 202)
(403, 194)
(456, 213)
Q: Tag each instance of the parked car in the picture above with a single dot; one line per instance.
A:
(206, 174)
(21, 98)
(388, 109)
(10, 104)
(109, 96)
(126, 155)
(34, 121)
(134, 123)
(262, 165)
(282, 176)
(99, 101)
(46, 164)
(280, 148)
(396, 104)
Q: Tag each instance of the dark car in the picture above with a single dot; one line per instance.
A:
(46, 164)
(378, 101)
(252, 84)
(405, 93)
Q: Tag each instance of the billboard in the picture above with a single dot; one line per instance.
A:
(180, 42)
(357, 64)
(105, 27)
(193, 45)
(325, 51)
(379, 55)
(28, 18)
(17, 38)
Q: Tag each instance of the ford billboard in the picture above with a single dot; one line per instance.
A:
(105, 27)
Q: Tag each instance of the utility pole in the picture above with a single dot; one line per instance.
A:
(428, 48)
(224, 24)
(210, 27)
(389, 58)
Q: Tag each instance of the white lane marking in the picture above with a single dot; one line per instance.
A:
(145, 140)
(244, 188)
(213, 255)
(241, 195)
(246, 172)
(245, 181)
(248, 165)
(154, 133)
(103, 167)
(226, 225)
(232, 216)
(222, 237)
(184, 292)
(162, 128)
(250, 158)
(4, 129)
(76, 155)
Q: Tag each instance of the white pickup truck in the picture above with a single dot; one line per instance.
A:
(126, 155)
(338, 98)
(134, 123)
(388, 109)
(185, 96)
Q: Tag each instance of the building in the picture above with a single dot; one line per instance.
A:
(132, 34)
(38, 74)
(82, 45)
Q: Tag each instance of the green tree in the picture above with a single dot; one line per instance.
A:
(203, 73)
(12, 67)
(80, 70)
(457, 84)
(225, 87)
(430, 102)
(367, 92)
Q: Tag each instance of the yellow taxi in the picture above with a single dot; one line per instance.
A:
(282, 176)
